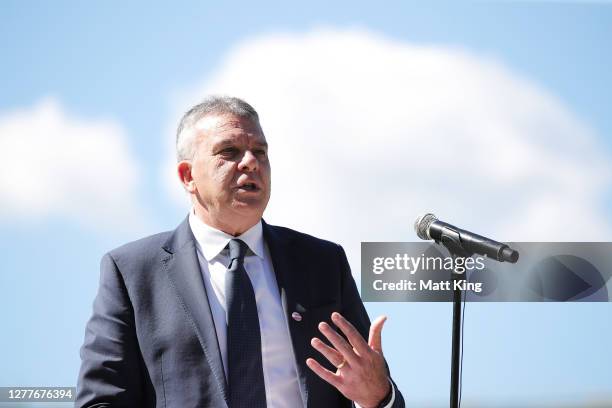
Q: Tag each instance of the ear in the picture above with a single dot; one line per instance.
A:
(184, 172)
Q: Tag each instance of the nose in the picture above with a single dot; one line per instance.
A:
(249, 162)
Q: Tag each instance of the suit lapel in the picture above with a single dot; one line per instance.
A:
(183, 270)
(291, 283)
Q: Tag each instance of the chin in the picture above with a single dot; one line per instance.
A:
(249, 209)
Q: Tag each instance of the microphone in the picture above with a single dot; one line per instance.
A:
(428, 226)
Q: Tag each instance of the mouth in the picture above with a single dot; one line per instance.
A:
(250, 187)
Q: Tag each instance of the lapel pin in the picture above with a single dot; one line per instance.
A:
(296, 316)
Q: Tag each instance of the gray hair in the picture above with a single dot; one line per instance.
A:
(212, 105)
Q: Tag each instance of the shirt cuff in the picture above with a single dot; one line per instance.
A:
(387, 405)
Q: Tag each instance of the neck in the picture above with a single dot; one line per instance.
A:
(234, 228)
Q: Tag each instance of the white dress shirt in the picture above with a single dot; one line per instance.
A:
(278, 358)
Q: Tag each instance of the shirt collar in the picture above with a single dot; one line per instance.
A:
(211, 241)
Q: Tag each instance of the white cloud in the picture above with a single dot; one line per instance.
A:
(366, 133)
(54, 165)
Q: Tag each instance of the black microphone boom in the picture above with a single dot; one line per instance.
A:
(429, 227)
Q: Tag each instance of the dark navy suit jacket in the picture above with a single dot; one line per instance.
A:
(151, 340)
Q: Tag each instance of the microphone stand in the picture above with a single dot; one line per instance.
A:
(453, 245)
(460, 247)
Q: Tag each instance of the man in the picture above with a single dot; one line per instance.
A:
(228, 311)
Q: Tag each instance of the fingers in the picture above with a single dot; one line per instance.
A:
(330, 354)
(375, 337)
(322, 372)
(351, 333)
(356, 346)
(365, 379)
(338, 342)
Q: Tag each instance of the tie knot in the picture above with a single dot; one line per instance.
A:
(237, 249)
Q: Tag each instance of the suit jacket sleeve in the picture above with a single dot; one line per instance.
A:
(354, 311)
(110, 366)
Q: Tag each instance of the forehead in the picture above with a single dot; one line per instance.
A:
(227, 127)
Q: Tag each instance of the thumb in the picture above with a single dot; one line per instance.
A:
(375, 337)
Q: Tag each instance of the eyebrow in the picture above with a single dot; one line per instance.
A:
(229, 142)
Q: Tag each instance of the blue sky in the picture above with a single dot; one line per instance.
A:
(128, 70)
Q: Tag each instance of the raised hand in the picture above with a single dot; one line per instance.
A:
(361, 373)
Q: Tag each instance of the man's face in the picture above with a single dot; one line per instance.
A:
(230, 170)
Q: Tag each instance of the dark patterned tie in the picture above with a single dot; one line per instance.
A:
(245, 370)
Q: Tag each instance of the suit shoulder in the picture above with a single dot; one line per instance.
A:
(141, 249)
(304, 239)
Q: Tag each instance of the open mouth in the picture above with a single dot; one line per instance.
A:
(248, 187)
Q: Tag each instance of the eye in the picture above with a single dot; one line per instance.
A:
(228, 152)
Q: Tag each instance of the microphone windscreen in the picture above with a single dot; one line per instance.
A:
(422, 224)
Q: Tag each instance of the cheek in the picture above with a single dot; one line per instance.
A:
(212, 174)
(222, 173)
(266, 171)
